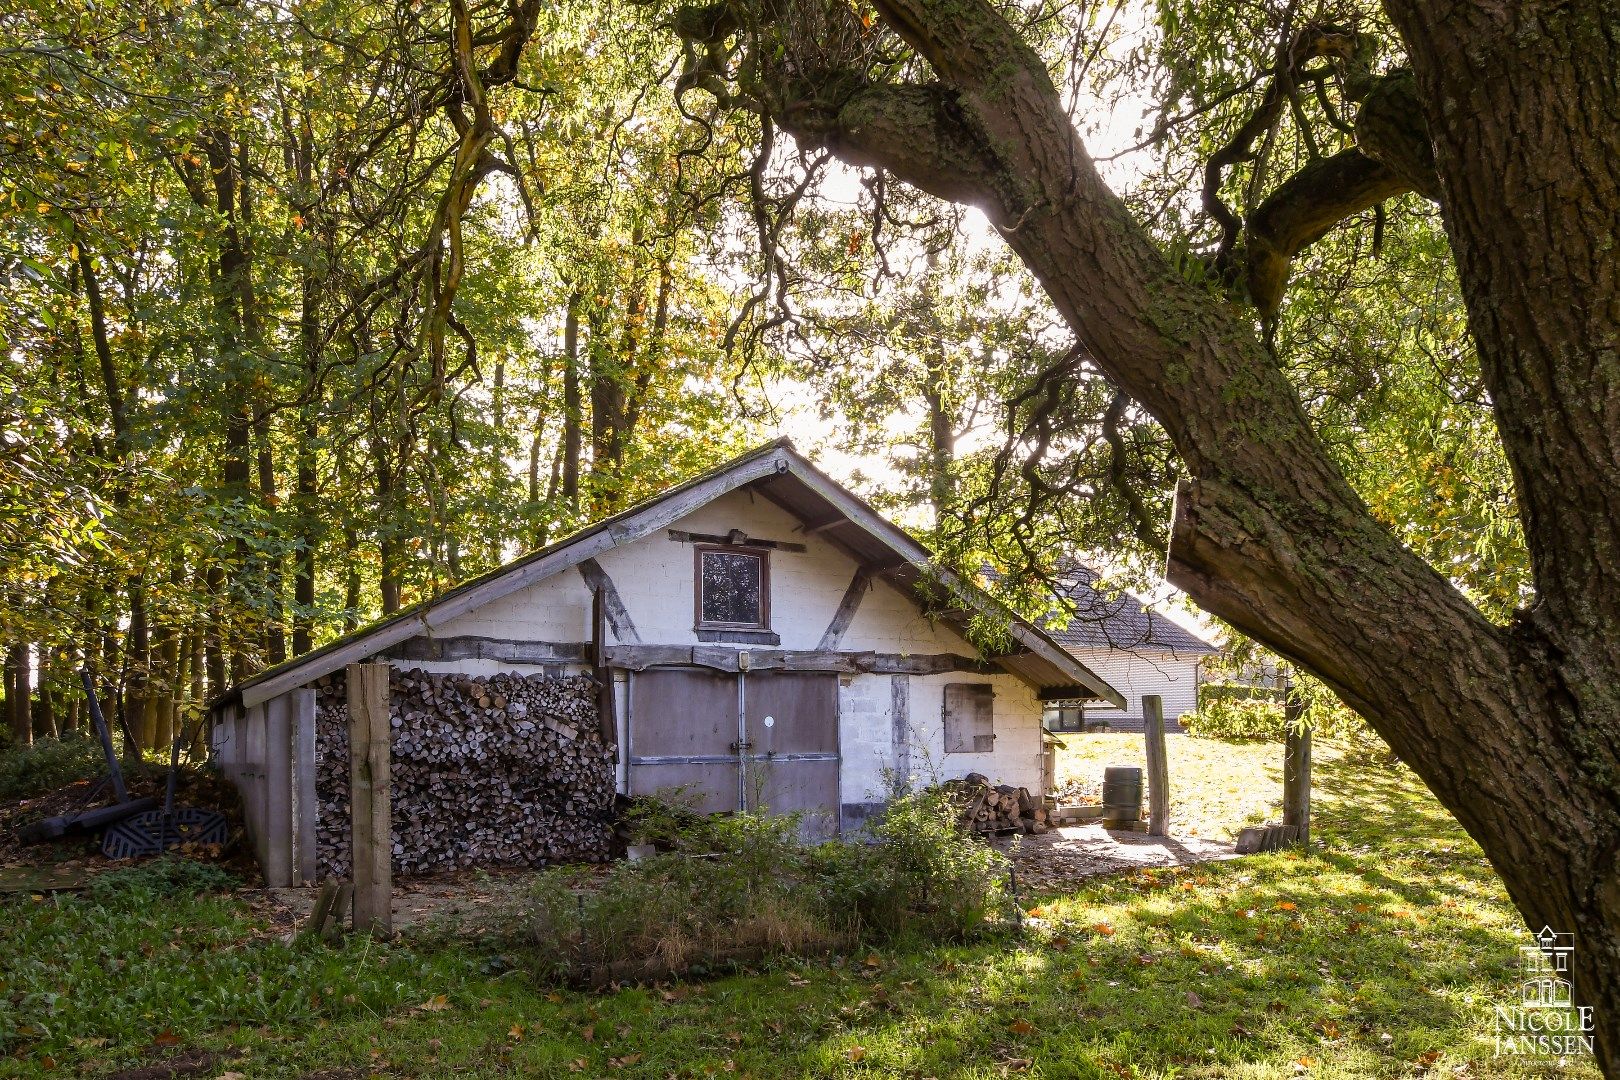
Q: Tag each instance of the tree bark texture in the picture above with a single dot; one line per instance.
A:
(1514, 729)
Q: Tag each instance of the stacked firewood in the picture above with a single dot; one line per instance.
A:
(991, 809)
(497, 770)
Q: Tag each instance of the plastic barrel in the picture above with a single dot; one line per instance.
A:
(1121, 795)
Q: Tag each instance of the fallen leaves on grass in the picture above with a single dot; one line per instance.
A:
(436, 1003)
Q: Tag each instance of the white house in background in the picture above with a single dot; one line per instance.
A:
(1136, 650)
(758, 636)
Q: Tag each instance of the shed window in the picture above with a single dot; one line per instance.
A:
(732, 589)
(970, 718)
(1065, 718)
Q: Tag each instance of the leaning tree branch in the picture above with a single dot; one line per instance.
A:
(1268, 534)
(1302, 210)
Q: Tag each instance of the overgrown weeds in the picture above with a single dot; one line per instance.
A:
(738, 889)
(27, 771)
(160, 879)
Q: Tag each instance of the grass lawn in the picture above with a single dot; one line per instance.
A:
(1215, 788)
(1381, 954)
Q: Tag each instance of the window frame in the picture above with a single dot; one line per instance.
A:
(764, 557)
(1059, 727)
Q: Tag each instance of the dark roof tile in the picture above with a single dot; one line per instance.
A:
(1119, 621)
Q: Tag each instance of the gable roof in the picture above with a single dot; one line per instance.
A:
(783, 476)
(1109, 621)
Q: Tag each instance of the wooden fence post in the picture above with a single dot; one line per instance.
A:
(1158, 766)
(369, 733)
(1297, 773)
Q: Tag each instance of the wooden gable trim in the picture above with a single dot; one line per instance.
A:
(911, 552)
(859, 586)
(613, 609)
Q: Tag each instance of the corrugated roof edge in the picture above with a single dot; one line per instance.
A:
(398, 627)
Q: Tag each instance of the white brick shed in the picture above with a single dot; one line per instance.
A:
(1137, 650)
(760, 637)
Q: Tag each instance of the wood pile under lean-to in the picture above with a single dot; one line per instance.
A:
(488, 770)
(989, 810)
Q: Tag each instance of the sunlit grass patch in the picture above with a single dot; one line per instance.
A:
(1215, 787)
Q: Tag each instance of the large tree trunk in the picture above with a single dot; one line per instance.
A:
(1523, 107)
(1513, 729)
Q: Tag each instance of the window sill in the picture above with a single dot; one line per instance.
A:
(741, 637)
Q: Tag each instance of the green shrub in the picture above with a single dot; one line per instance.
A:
(1236, 719)
(1236, 712)
(919, 876)
(27, 771)
(740, 888)
(734, 892)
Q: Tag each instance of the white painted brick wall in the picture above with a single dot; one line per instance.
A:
(654, 577)
(1135, 674)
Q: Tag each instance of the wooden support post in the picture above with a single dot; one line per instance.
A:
(1296, 772)
(276, 782)
(305, 805)
(369, 797)
(1158, 766)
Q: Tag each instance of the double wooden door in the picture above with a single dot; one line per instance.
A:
(738, 741)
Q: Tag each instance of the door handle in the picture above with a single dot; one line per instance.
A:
(738, 747)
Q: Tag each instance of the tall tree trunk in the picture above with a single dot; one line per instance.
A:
(573, 411)
(532, 517)
(390, 549)
(351, 579)
(1523, 107)
(197, 696)
(941, 436)
(17, 692)
(231, 286)
(215, 641)
(46, 722)
(306, 500)
(273, 567)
